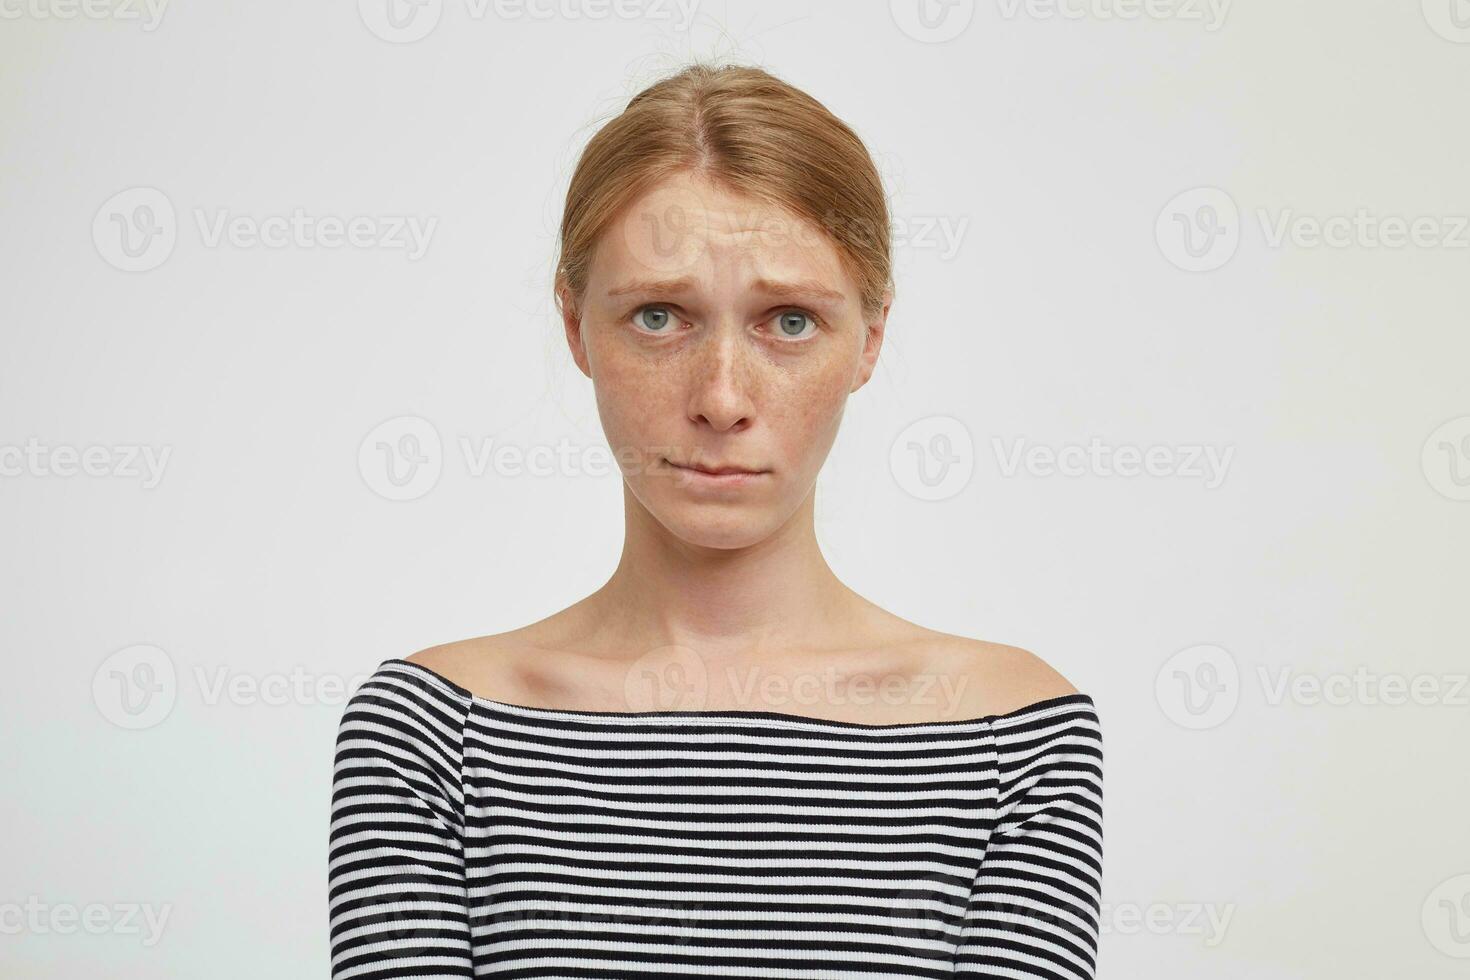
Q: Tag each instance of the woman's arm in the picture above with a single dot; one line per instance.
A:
(1034, 908)
(396, 884)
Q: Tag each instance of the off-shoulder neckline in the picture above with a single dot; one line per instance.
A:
(739, 715)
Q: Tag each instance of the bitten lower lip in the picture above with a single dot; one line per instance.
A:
(689, 476)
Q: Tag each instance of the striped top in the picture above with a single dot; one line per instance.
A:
(474, 838)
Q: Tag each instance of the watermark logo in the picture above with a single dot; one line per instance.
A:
(136, 687)
(674, 921)
(1446, 459)
(932, 21)
(1199, 230)
(924, 909)
(678, 14)
(676, 677)
(1208, 464)
(149, 12)
(1211, 13)
(1363, 229)
(1198, 687)
(939, 233)
(124, 461)
(831, 688)
(221, 685)
(406, 21)
(1446, 917)
(666, 678)
(933, 458)
(1207, 920)
(1364, 687)
(135, 229)
(669, 229)
(40, 918)
(1450, 19)
(408, 233)
(400, 21)
(402, 458)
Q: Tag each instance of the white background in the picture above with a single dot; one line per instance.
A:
(1328, 833)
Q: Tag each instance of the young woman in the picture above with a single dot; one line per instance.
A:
(723, 762)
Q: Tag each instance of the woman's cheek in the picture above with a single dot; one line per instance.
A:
(818, 395)
(635, 406)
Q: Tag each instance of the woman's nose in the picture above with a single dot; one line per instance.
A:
(721, 382)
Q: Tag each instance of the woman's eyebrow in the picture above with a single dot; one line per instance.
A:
(682, 284)
(789, 289)
(799, 289)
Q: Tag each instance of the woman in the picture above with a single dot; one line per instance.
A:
(723, 762)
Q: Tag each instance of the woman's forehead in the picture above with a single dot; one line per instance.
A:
(686, 228)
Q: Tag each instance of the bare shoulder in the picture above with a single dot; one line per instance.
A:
(996, 678)
(476, 664)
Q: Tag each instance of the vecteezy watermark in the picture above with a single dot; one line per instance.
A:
(1185, 461)
(1210, 13)
(296, 687)
(401, 21)
(942, 233)
(37, 917)
(1445, 459)
(1200, 687)
(937, 21)
(406, 21)
(1450, 19)
(124, 461)
(136, 230)
(149, 12)
(1445, 917)
(138, 686)
(939, 233)
(408, 233)
(923, 907)
(668, 231)
(1364, 686)
(1208, 920)
(135, 687)
(403, 458)
(667, 678)
(767, 690)
(932, 21)
(678, 922)
(673, 229)
(677, 677)
(1363, 229)
(1200, 230)
(933, 458)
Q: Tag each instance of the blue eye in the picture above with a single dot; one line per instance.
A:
(793, 322)
(654, 318)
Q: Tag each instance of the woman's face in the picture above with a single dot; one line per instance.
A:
(720, 333)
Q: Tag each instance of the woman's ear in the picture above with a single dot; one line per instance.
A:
(873, 342)
(571, 320)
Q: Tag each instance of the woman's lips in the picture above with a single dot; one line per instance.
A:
(723, 476)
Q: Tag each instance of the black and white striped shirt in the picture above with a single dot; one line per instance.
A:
(475, 838)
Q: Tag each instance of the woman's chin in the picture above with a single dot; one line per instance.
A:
(723, 526)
